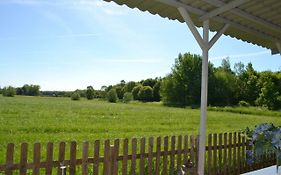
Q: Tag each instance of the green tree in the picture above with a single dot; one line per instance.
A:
(270, 95)
(129, 86)
(145, 94)
(149, 82)
(183, 86)
(31, 90)
(90, 92)
(112, 96)
(119, 91)
(128, 96)
(156, 91)
(75, 96)
(135, 91)
(247, 85)
(9, 91)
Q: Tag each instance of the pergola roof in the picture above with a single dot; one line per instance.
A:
(254, 21)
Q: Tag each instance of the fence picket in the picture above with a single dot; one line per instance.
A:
(85, 156)
(72, 164)
(116, 154)
(220, 153)
(23, 159)
(49, 158)
(172, 156)
(106, 161)
(225, 154)
(158, 152)
(179, 152)
(239, 153)
(142, 156)
(165, 156)
(61, 166)
(125, 157)
(185, 149)
(210, 154)
(96, 157)
(9, 158)
(150, 156)
(215, 154)
(134, 152)
(234, 152)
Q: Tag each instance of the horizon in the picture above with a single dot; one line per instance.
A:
(68, 45)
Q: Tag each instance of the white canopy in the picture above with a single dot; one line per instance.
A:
(254, 21)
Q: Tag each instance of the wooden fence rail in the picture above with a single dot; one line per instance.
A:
(225, 154)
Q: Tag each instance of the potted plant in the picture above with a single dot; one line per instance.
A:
(265, 138)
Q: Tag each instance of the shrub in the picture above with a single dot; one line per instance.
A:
(9, 91)
(135, 92)
(128, 96)
(75, 96)
(146, 94)
(90, 93)
(244, 103)
(112, 96)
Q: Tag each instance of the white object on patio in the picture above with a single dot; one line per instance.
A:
(254, 21)
(265, 171)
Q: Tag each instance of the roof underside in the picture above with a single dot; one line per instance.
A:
(254, 21)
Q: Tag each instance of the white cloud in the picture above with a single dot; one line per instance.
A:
(237, 56)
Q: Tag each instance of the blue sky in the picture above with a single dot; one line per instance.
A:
(70, 44)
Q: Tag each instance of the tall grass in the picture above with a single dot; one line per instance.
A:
(44, 119)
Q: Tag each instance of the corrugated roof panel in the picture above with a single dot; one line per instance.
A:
(242, 27)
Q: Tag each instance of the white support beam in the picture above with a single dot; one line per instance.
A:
(192, 27)
(218, 35)
(222, 9)
(243, 14)
(204, 98)
(278, 44)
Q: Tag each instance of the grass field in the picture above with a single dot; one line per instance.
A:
(43, 119)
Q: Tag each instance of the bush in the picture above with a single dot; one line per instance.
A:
(128, 96)
(9, 91)
(135, 92)
(90, 93)
(244, 103)
(112, 96)
(146, 94)
(75, 96)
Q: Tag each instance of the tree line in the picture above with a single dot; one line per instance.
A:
(242, 85)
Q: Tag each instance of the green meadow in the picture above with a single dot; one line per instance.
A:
(44, 119)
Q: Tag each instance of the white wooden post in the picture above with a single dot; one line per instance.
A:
(205, 45)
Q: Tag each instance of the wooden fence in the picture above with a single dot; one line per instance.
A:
(225, 154)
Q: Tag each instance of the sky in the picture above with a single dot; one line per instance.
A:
(71, 44)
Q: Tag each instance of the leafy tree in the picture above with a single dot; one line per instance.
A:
(183, 86)
(90, 92)
(128, 96)
(247, 87)
(239, 68)
(9, 91)
(75, 96)
(149, 82)
(156, 91)
(270, 95)
(119, 91)
(112, 96)
(129, 86)
(225, 65)
(31, 90)
(135, 91)
(145, 94)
